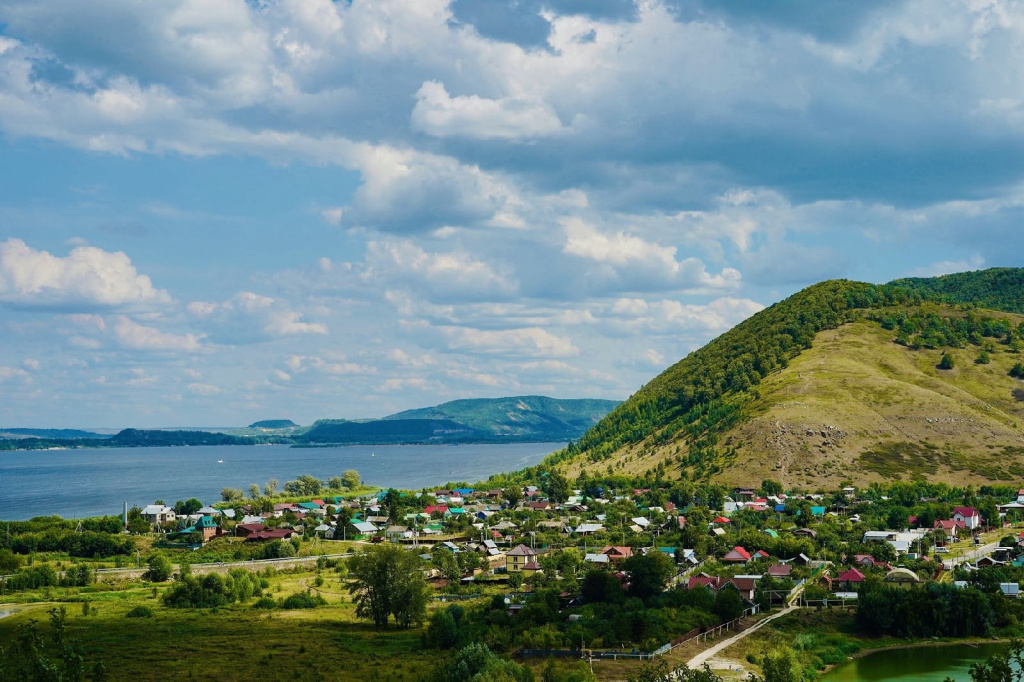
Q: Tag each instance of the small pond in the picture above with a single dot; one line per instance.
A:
(920, 664)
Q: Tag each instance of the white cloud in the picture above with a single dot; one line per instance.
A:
(13, 373)
(438, 113)
(946, 267)
(130, 334)
(204, 389)
(87, 277)
(249, 317)
(528, 342)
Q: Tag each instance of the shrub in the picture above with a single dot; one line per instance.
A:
(265, 603)
(140, 612)
(302, 600)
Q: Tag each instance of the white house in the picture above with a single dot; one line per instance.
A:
(159, 513)
(968, 516)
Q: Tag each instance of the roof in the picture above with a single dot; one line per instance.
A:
(780, 570)
(902, 575)
(597, 558)
(206, 522)
(613, 551)
(965, 511)
(522, 550)
(850, 576)
(737, 554)
(364, 526)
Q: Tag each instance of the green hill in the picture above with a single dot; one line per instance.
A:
(273, 424)
(838, 382)
(529, 416)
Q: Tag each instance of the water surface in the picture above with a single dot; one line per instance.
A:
(93, 482)
(920, 664)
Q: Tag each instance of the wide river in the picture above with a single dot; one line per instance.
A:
(94, 482)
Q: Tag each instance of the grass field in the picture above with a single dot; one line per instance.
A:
(235, 642)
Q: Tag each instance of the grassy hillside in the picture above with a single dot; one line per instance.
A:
(534, 416)
(838, 382)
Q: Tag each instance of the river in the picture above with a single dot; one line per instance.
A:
(97, 481)
(917, 664)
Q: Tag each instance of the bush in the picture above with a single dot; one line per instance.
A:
(302, 600)
(159, 569)
(140, 612)
(265, 603)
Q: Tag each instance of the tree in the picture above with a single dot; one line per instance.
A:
(770, 487)
(989, 511)
(776, 668)
(983, 358)
(159, 569)
(477, 663)
(350, 479)
(648, 573)
(388, 581)
(946, 362)
(660, 672)
(558, 489)
(270, 487)
(188, 507)
(515, 580)
(1004, 666)
(513, 496)
(334, 483)
(254, 491)
(231, 494)
(728, 605)
(447, 564)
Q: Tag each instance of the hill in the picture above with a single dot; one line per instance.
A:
(379, 431)
(273, 424)
(49, 433)
(530, 416)
(838, 382)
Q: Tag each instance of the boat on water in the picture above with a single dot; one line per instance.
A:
(220, 461)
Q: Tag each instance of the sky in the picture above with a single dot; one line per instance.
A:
(218, 211)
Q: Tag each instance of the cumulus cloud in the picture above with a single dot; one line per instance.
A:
(132, 335)
(249, 318)
(438, 113)
(88, 277)
(527, 342)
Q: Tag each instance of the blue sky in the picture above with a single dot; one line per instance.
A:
(217, 211)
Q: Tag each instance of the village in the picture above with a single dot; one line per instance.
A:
(768, 548)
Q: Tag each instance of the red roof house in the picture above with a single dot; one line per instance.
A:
(737, 554)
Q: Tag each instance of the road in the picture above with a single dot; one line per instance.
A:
(970, 555)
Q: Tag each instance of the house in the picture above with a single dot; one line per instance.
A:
(590, 528)
(641, 521)
(440, 509)
(849, 579)
(805, 533)
(395, 532)
(951, 528)
(559, 526)
(879, 536)
(518, 558)
(1010, 589)
(745, 586)
(206, 527)
(268, 535)
(244, 530)
(364, 527)
(209, 511)
(968, 516)
(324, 531)
(540, 505)
(618, 554)
(599, 559)
(737, 555)
(159, 513)
(780, 570)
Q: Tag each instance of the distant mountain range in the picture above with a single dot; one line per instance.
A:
(501, 420)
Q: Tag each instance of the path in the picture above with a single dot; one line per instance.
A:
(706, 655)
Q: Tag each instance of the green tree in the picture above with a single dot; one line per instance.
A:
(513, 496)
(558, 488)
(230, 494)
(648, 574)
(515, 580)
(254, 491)
(477, 663)
(770, 487)
(160, 569)
(989, 511)
(350, 479)
(388, 581)
(777, 667)
(270, 487)
(946, 362)
(983, 358)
